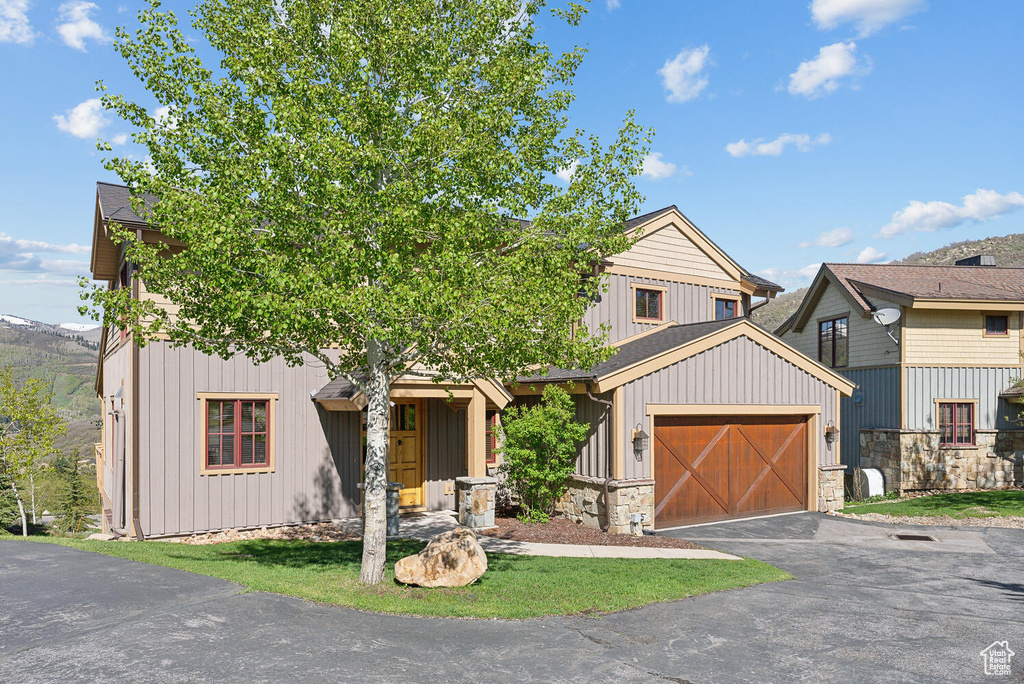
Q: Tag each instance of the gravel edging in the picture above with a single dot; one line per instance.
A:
(1010, 522)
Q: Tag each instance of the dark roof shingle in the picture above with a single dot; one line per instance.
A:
(983, 283)
(630, 353)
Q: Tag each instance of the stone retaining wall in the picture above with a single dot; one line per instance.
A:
(584, 502)
(913, 460)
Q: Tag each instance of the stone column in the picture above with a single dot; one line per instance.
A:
(475, 499)
(831, 494)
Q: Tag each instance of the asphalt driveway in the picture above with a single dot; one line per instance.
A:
(863, 608)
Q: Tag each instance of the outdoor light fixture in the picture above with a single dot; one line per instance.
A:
(831, 434)
(641, 440)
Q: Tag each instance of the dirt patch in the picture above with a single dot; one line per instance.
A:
(562, 531)
(319, 532)
(942, 520)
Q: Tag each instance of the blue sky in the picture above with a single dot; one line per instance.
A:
(790, 132)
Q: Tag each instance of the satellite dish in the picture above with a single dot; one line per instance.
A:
(886, 316)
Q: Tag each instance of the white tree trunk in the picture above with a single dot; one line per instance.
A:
(21, 508)
(32, 485)
(375, 477)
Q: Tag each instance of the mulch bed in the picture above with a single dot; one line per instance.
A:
(562, 531)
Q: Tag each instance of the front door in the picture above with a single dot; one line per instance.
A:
(405, 463)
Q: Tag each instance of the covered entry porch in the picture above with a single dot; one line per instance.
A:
(438, 432)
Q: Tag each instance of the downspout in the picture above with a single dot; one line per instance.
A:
(608, 480)
(117, 441)
(758, 306)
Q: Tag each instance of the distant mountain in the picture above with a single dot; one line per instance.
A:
(64, 356)
(1008, 251)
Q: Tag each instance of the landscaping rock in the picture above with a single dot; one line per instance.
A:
(451, 559)
(98, 536)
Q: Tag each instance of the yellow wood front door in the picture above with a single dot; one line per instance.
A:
(405, 461)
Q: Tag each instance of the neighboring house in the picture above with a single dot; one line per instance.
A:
(700, 415)
(935, 396)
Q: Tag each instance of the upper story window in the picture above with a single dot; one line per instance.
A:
(956, 423)
(998, 326)
(649, 304)
(725, 308)
(834, 342)
(238, 433)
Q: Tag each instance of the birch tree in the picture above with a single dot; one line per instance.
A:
(29, 425)
(377, 176)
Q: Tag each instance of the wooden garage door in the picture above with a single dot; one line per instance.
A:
(714, 468)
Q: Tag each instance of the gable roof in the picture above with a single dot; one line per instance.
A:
(704, 243)
(672, 343)
(912, 286)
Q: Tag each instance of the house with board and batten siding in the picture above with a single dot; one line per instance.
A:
(700, 415)
(937, 395)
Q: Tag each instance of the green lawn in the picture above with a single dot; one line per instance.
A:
(963, 505)
(513, 587)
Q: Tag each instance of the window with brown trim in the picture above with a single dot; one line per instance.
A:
(648, 305)
(997, 325)
(956, 423)
(834, 342)
(490, 443)
(237, 432)
(725, 308)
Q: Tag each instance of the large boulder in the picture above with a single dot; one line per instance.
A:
(451, 559)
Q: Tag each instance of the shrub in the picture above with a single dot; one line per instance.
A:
(538, 445)
(75, 496)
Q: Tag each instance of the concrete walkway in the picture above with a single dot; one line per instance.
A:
(426, 525)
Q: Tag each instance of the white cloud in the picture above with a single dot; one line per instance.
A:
(76, 25)
(566, 174)
(613, 4)
(870, 255)
(683, 76)
(14, 24)
(791, 277)
(21, 255)
(84, 120)
(837, 237)
(656, 169)
(868, 15)
(928, 217)
(774, 148)
(164, 117)
(119, 139)
(822, 75)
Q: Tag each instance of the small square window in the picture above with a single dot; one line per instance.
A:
(725, 308)
(997, 325)
(237, 434)
(956, 423)
(648, 306)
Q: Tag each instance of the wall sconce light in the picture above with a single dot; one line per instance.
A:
(641, 440)
(831, 434)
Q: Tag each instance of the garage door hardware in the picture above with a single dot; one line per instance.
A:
(913, 537)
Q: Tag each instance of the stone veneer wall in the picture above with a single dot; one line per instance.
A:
(912, 459)
(584, 502)
(830, 488)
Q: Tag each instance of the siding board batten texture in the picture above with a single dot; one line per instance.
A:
(683, 303)
(926, 384)
(879, 407)
(444, 451)
(316, 453)
(737, 372)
